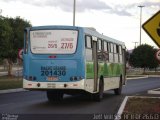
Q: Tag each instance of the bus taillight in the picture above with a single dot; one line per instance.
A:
(52, 56)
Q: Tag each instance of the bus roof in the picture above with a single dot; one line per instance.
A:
(92, 31)
(87, 30)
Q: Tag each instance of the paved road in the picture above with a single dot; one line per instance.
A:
(36, 105)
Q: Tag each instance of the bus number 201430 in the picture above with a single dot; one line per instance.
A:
(53, 73)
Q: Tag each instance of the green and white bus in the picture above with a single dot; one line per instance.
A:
(72, 60)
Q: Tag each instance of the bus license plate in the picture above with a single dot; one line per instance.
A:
(52, 78)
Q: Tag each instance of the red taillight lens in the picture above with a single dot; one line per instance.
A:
(52, 56)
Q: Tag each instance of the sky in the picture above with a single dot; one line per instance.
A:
(118, 19)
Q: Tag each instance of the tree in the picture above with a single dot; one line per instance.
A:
(144, 57)
(127, 56)
(155, 63)
(11, 38)
(5, 37)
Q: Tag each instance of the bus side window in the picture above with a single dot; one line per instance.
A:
(100, 52)
(108, 47)
(117, 49)
(111, 47)
(111, 54)
(105, 46)
(105, 54)
(116, 53)
(99, 45)
(88, 44)
(120, 54)
(114, 48)
(120, 50)
(25, 42)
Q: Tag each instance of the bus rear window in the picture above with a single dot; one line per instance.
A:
(53, 41)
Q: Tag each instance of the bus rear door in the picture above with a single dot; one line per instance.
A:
(95, 62)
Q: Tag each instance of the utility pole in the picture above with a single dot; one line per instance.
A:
(0, 11)
(135, 44)
(74, 11)
(140, 6)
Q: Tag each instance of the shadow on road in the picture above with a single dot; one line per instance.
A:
(79, 104)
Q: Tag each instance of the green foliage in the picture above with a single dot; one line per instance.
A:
(6, 33)
(127, 55)
(143, 57)
(11, 38)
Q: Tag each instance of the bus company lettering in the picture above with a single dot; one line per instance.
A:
(41, 34)
(53, 70)
(67, 39)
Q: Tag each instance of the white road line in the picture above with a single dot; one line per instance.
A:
(120, 111)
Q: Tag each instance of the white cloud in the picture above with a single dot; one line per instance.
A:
(118, 19)
(119, 7)
(67, 5)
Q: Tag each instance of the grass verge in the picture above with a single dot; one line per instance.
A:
(151, 73)
(10, 82)
(142, 108)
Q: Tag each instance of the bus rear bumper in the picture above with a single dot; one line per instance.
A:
(53, 85)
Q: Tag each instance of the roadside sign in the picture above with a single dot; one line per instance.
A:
(20, 53)
(152, 28)
(158, 55)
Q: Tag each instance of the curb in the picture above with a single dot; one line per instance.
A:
(154, 91)
(154, 75)
(12, 90)
(145, 76)
(132, 78)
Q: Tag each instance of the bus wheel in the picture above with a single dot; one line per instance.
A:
(118, 91)
(99, 96)
(54, 96)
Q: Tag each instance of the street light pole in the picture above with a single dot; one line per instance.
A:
(74, 12)
(140, 6)
(0, 11)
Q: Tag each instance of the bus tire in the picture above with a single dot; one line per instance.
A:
(54, 96)
(99, 96)
(118, 91)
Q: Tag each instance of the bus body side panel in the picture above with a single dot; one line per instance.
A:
(110, 71)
